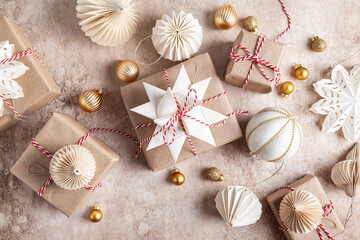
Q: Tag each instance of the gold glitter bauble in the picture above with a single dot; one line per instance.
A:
(91, 100)
(127, 70)
(286, 89)
(214, 174)
(95, 214)
(225, 17)
(301, 72)
(250, 24)
(177, 177)
(318, 44)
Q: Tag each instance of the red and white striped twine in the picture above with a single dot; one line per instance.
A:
(30, 51)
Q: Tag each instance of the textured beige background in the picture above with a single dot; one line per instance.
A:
(140, 204)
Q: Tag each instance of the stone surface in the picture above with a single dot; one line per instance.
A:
(140, 204)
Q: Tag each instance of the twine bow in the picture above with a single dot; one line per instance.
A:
(30, 51)
(327, 211)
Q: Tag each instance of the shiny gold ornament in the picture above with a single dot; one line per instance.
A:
(225, 17)
(318, 44)
(177, 177)
(286, 89)
(214, 174)
(91, 100)
(250, 24)
(301, 73)
(95, 214)
(127, 70)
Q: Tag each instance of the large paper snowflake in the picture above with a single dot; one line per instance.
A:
(341, 102)
(9, 88)
(162, 107)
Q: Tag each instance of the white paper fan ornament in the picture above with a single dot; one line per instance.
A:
(9, 88)
(107, 22)
(341, 102)
(238, 206)
(177, 37)
(72, 167)
(300, 211)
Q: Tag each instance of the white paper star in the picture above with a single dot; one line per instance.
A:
(162, 107)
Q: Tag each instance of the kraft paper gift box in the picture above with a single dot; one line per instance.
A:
(310, 184)
(59, 131)
(38, 86)
(198, 70)
(236, 72)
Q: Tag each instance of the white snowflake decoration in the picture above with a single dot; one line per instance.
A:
(341, 102)
(162, 107)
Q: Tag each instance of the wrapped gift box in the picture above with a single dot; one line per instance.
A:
(311, 184)
(197, 69)
(38, 86)
(59, 131)
(236, 72)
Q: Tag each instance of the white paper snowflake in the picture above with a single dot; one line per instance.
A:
(341, 102)
(162, 107)
(9, 88)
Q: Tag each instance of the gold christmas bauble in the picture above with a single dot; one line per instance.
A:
(250, 24)
(214, 174)
(127, 70)
(91, 100)
(318, 44)
(301, 72)
(286, 89)
(225, 17)
(177, 177)
(95, 214)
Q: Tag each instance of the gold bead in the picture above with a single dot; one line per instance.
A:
(127, 71)
(225, 17)
(177, 177)
(250, 24)
(301, 72)
(318, 44)
(91, 100)
(95, 214)
(214, 174)
(286, 89)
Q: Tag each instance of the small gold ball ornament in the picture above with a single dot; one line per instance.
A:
(301, 72)
(318, 44)
(286, 89)
(91, 100)
(250, 24)
(95, 214)
(214, 174)
(177, 177)
(225, 17)
(127, 70)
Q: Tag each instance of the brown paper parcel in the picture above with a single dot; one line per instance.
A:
(59, 131)
(236, 72)
(311, 184)
(38, 86)
(134, 95)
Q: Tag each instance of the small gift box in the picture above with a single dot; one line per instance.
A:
(254, 62)
(24, 82)
(303, 196)
(95, 157)
(181, 112)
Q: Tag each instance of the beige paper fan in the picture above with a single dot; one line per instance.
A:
(72, 167)
(345, 175)
(300, 211)
(107, 22)
(354, 153)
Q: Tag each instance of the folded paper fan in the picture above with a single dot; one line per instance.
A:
(107, 22)
(346, 175)
(177, 37)
(238, 206)
(300, 211)
(354, 153)
(72, 167)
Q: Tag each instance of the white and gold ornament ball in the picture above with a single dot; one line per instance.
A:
(273, 135)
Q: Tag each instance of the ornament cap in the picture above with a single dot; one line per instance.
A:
(175, 171)
(297, 66)
(222, 178)
(100, 91)
(254, 30)
(284, 95)
(96, 207)
(315, 38)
